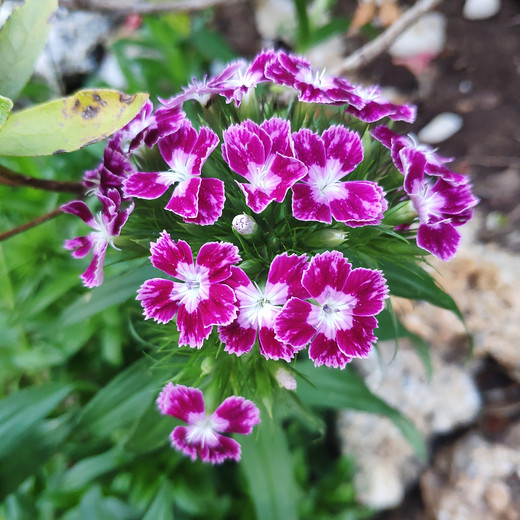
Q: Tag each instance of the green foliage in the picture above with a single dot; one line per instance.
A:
(22, 38)
(5, 109)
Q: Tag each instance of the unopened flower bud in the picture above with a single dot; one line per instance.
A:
(244, 225)
(285, 379)
(325, 238)
(207, 366)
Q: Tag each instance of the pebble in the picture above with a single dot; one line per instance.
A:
(480, 9)
(441, 128)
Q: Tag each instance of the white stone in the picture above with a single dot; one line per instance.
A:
(440, 128)
(426, 36)
(480, 9)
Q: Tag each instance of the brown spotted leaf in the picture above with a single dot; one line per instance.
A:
(66, 124)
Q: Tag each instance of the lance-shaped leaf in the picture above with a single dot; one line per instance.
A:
(66, 124)
(5, 108)
(22, 39)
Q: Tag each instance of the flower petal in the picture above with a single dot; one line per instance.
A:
(370, 289)
(238, 339)
(93, 276)
(344, 146)
(81, 210)
(185, 198)
(145, 185)
(236, 415)
(306, 207)
(191, 326)
(155, 297)
(211, 202)
(272, 348)
(219, 308)
(291, 324)
(223, 449)
(167, 255)
(288, 269)
(182, 402)
(324, 351)
(329, 269)
(441, 240)
(218, 257)
(82, 246)
(357, 341)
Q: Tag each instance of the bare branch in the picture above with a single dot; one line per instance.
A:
(33, 223)
(373, 49)
(142, 7)
(10, 178)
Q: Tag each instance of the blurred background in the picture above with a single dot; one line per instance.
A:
(460, 64)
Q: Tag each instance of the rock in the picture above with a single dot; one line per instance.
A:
(440, 128)
(474, 479)
(480, 9)
(386, 462)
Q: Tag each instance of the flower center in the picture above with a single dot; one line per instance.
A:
(194, 286)
(202, 433)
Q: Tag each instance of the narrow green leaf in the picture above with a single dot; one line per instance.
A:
(29, 451)
(412, 281)
(66, 124)
(118, 405)
(5, 108)
(266, 464)
(345, 389)
(22, 410)
(22, 39)
(162, 506)
(113, 292)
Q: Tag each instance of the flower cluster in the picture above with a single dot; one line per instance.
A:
(272, 221)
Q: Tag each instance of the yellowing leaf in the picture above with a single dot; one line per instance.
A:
(66, 124)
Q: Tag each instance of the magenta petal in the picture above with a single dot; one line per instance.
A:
(329, 269)
(236, 415)
(370, 289)
(155, 297)
(309, 148)
(218, 257)
(344, 146)
(288, 170)
(82, 246)
(272, 348)
(145, 185)
(279, 133)
(191, 326)
(81, 210)
(167, 255)
(289, 269)
(93, 276)
(441, 240)
(181, 402)
(364, 202)
(211, 202)
(241, 148)
(305, 207)
(221, 449)
(291, 323)
(185, 198)
(238, 340)
(219, 308)
(256, 199)
(357, 341)
(324, 351)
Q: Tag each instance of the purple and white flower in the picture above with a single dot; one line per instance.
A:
(111, 173)
(442, 205)
(107, 225)
(314, 86)
(323, 194)
(202, 436)
(198, 200)
(340, 324)
(264, 156)
(198, 295)
(375, 106)
(258, 308)
(126, 137)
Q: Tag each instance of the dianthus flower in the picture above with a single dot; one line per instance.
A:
(111, 173)
(442, 205)
(107, 225)
(264, 156)
(314, 86)
(126, 137)
(202, 435)
(196, 199)
(322, 193)
(374, 106)
(199, 296)
(258, 307)
(340, 325)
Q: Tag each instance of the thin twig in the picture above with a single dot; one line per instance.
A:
(142, 7)
(373, 49)
(33, 223)
(10, 178)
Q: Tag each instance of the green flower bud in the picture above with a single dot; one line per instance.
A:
(325, 238)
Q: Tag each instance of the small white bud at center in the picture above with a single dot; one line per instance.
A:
(244, 225)
(285, 379)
